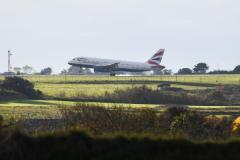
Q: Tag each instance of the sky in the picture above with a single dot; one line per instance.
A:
(48, 33)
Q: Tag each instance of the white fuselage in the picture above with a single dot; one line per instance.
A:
(100, 64)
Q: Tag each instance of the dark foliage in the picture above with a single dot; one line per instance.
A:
(220, 72)
(46, 71)
(117, 119)
(145, 95)
(176, 120)
(9, 95)
(237, 69)
(78, 145)
(200, 68)
(184, 71)
(216, 95)
(20, 85)
(104, 143)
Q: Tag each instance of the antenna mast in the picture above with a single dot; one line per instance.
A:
(9, 61)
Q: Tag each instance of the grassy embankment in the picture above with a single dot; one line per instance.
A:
(80, 86)
(50, 108)
(75, 86)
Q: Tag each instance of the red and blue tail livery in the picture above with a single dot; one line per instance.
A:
(156, 59)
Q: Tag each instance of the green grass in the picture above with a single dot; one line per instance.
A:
(73, 86)
(81, 90)
(34, 103)
(80, 86)
(212, 79)
(54, 103)
(50, 109)
(188, 87)
(31, 108)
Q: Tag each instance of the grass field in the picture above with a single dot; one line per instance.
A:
(81, 90)
(80, 86)
(31, 108)
(50, 108)
(77, 86)
(212, 79)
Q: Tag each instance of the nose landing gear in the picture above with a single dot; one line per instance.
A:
(112, 74)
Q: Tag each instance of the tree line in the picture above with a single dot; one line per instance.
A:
(30, 70)
(202, 68)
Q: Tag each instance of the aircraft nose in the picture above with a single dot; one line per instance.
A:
(71, 62)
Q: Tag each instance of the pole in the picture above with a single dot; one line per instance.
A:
(9, 61)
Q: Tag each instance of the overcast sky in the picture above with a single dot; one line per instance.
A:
(51, 32)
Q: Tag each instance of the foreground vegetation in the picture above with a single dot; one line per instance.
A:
(78, 145)
(125, 118)
(120, 133)
(49, 109)
(171, 121)
(85, 86)
(207, 98)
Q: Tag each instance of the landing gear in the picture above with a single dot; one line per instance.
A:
(112, 74)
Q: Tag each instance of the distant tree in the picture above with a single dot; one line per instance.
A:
(17, 70)
(64, 71)
(46, 71)
(201, 68)
(220, 72)
(167, 71)
(157, 72)
(237, 69)
(27, 69)
(185, 71)
(21, 85)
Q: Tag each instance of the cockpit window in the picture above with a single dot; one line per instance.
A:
(81, 59)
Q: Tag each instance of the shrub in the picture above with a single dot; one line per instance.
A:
(188, 124)
(9, 95)
(195, 125)
(216, 95)
(175, 121)
(21, 85)
(217, 128)
(117, 119)
(145, 95)
(236, 126)
(166, 118)
(176, 110)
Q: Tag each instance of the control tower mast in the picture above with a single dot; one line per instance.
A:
(9, 61)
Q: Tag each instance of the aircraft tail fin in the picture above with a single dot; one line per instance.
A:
(156, 59)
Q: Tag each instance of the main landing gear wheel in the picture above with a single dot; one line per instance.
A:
(112, 74)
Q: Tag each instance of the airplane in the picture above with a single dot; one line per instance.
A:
(112, 66)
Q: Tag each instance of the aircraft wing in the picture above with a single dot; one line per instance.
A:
(111, 66)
